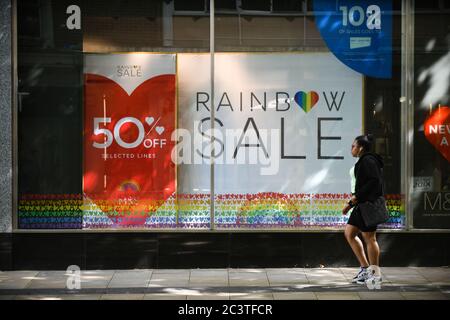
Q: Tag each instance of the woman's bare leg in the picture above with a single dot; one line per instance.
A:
(373, 250)
(351, 233)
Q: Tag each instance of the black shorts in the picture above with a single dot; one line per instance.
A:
(357, 221)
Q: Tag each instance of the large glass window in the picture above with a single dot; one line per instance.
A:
(288, 108)
(50, 63)
(116, 103)
(97, 109)
(431, 182)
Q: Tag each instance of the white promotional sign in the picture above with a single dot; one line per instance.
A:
(129, 70)
(423, 184)
(286, 122)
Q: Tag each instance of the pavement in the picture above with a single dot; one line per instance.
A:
(406, 283)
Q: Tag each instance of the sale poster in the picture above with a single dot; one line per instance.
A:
(284, 124)
(358, 33)
(129, 116)
(437, 130)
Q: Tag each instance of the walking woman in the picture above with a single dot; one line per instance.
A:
(367, 181)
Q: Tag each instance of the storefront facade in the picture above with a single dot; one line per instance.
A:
(218, 133)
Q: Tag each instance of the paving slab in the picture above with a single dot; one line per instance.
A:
(172, 271)
(169, 276)
(79, 296)
(404, 279)
(326, 277)
(182, 291)
(248, 278)
(210, 296)
(375, 295)
(294, 296)
(208, 272)
(49, 280)
(248, 283)
(251, 296)
(400, 271)
(424, 296)
(275, 279)
(438, 276)
(164, 296)
(337, 296)
(246, 270)
(16, 279)
(207, 277)
(209, 283)
(97, 275)
(241, 283)
(96, 278)
(168, 284)
(131, 296)
(133, 271)
(292, 271)
(134, 279)
(38, 297)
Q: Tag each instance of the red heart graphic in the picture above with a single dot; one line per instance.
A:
(133, 180)
(437, 130)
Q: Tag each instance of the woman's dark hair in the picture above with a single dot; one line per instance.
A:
(365, 142)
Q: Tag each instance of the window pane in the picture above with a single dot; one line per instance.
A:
(429, 4)
(431, 120)
(275, 78)
(224, 4)
(259, 5)
(97, 108)
(287, 5)
(49, 117)
(189, 5)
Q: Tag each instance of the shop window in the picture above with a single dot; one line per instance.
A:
(427, 5)
(287, 5)
(190, 5)
(223, 5)
(431, 178)
(256, 5)
(29, 18)
(310, 6)
(244, 197)
(397, 5)
(79, 100)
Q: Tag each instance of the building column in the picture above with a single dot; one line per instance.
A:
(6, 133)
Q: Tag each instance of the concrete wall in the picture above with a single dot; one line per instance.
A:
(149, 250)
(6, 170)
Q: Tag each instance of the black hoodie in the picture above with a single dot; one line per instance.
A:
(369, 177)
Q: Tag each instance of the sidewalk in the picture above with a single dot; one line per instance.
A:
(411, 283)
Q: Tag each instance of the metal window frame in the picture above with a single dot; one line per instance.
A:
(212, 222)
(407, 109)
(14, 118)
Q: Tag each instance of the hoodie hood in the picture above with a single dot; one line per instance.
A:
(375, 156)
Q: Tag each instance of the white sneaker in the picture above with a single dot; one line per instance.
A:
(361, 277)
(373, 282)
